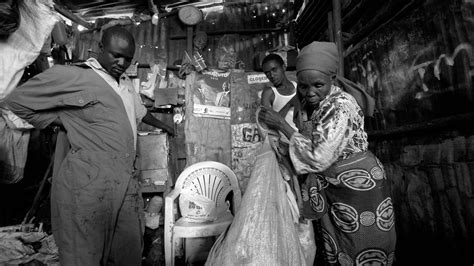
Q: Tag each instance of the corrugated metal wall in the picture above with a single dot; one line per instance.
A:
(249, 27)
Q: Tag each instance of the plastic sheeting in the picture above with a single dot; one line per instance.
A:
(263, 231)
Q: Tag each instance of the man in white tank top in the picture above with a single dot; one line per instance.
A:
(280, 97)
(282, 91)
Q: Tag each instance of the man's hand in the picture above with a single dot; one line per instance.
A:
(149, 119)
(270, 118)
(275, 121)
(170, 131)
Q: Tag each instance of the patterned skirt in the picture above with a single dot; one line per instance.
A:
(352, 202)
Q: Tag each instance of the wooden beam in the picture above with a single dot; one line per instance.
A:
(330, 27)
(336, 5)
(110, 7)
(241, 31)
(189, 40)
(75, 18)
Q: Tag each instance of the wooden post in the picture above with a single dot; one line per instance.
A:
(189, 40)
(330, 27)
(336, 6)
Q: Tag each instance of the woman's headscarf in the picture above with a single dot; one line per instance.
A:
(323, 57)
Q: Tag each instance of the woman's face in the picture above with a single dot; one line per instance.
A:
(313, 86)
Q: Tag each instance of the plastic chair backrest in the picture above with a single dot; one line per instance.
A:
(212, 180)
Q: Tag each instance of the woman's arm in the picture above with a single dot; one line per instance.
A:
(329, 137)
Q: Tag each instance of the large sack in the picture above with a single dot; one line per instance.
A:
(263, 231)
(23, 46)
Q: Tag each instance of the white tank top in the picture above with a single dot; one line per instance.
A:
(279, 102)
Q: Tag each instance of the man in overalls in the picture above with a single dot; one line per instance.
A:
(96, 206)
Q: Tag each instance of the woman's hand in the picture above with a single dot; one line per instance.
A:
(275, 121)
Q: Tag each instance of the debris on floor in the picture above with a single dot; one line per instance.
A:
(25, 243)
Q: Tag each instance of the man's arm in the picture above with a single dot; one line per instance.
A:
(38, 100)
(153, 121)
(267, 97)
(146, 117)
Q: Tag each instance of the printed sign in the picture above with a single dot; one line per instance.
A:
(212, 95)
(257, 78)
(245, 135)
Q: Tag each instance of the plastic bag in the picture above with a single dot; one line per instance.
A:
(13, 153)
(263, 231)
(197, 208)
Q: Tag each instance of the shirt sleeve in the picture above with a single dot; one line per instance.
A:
(140, 109)
(329, 136)
(39, 100)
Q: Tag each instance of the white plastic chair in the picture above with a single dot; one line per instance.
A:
(213, 180)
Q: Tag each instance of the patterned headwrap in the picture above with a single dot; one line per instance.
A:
(323, 57)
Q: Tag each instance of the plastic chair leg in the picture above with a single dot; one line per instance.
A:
(169, 249)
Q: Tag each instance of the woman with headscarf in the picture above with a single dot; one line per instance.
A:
(346, 189)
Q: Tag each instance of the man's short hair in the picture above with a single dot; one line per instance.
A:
(116, 31)
(273, 57)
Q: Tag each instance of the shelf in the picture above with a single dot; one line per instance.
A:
(153, 188)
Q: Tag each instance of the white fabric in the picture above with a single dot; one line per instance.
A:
(278, 103)
(24, 45)
(130, 98)
(13, 121)
(280, 100)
